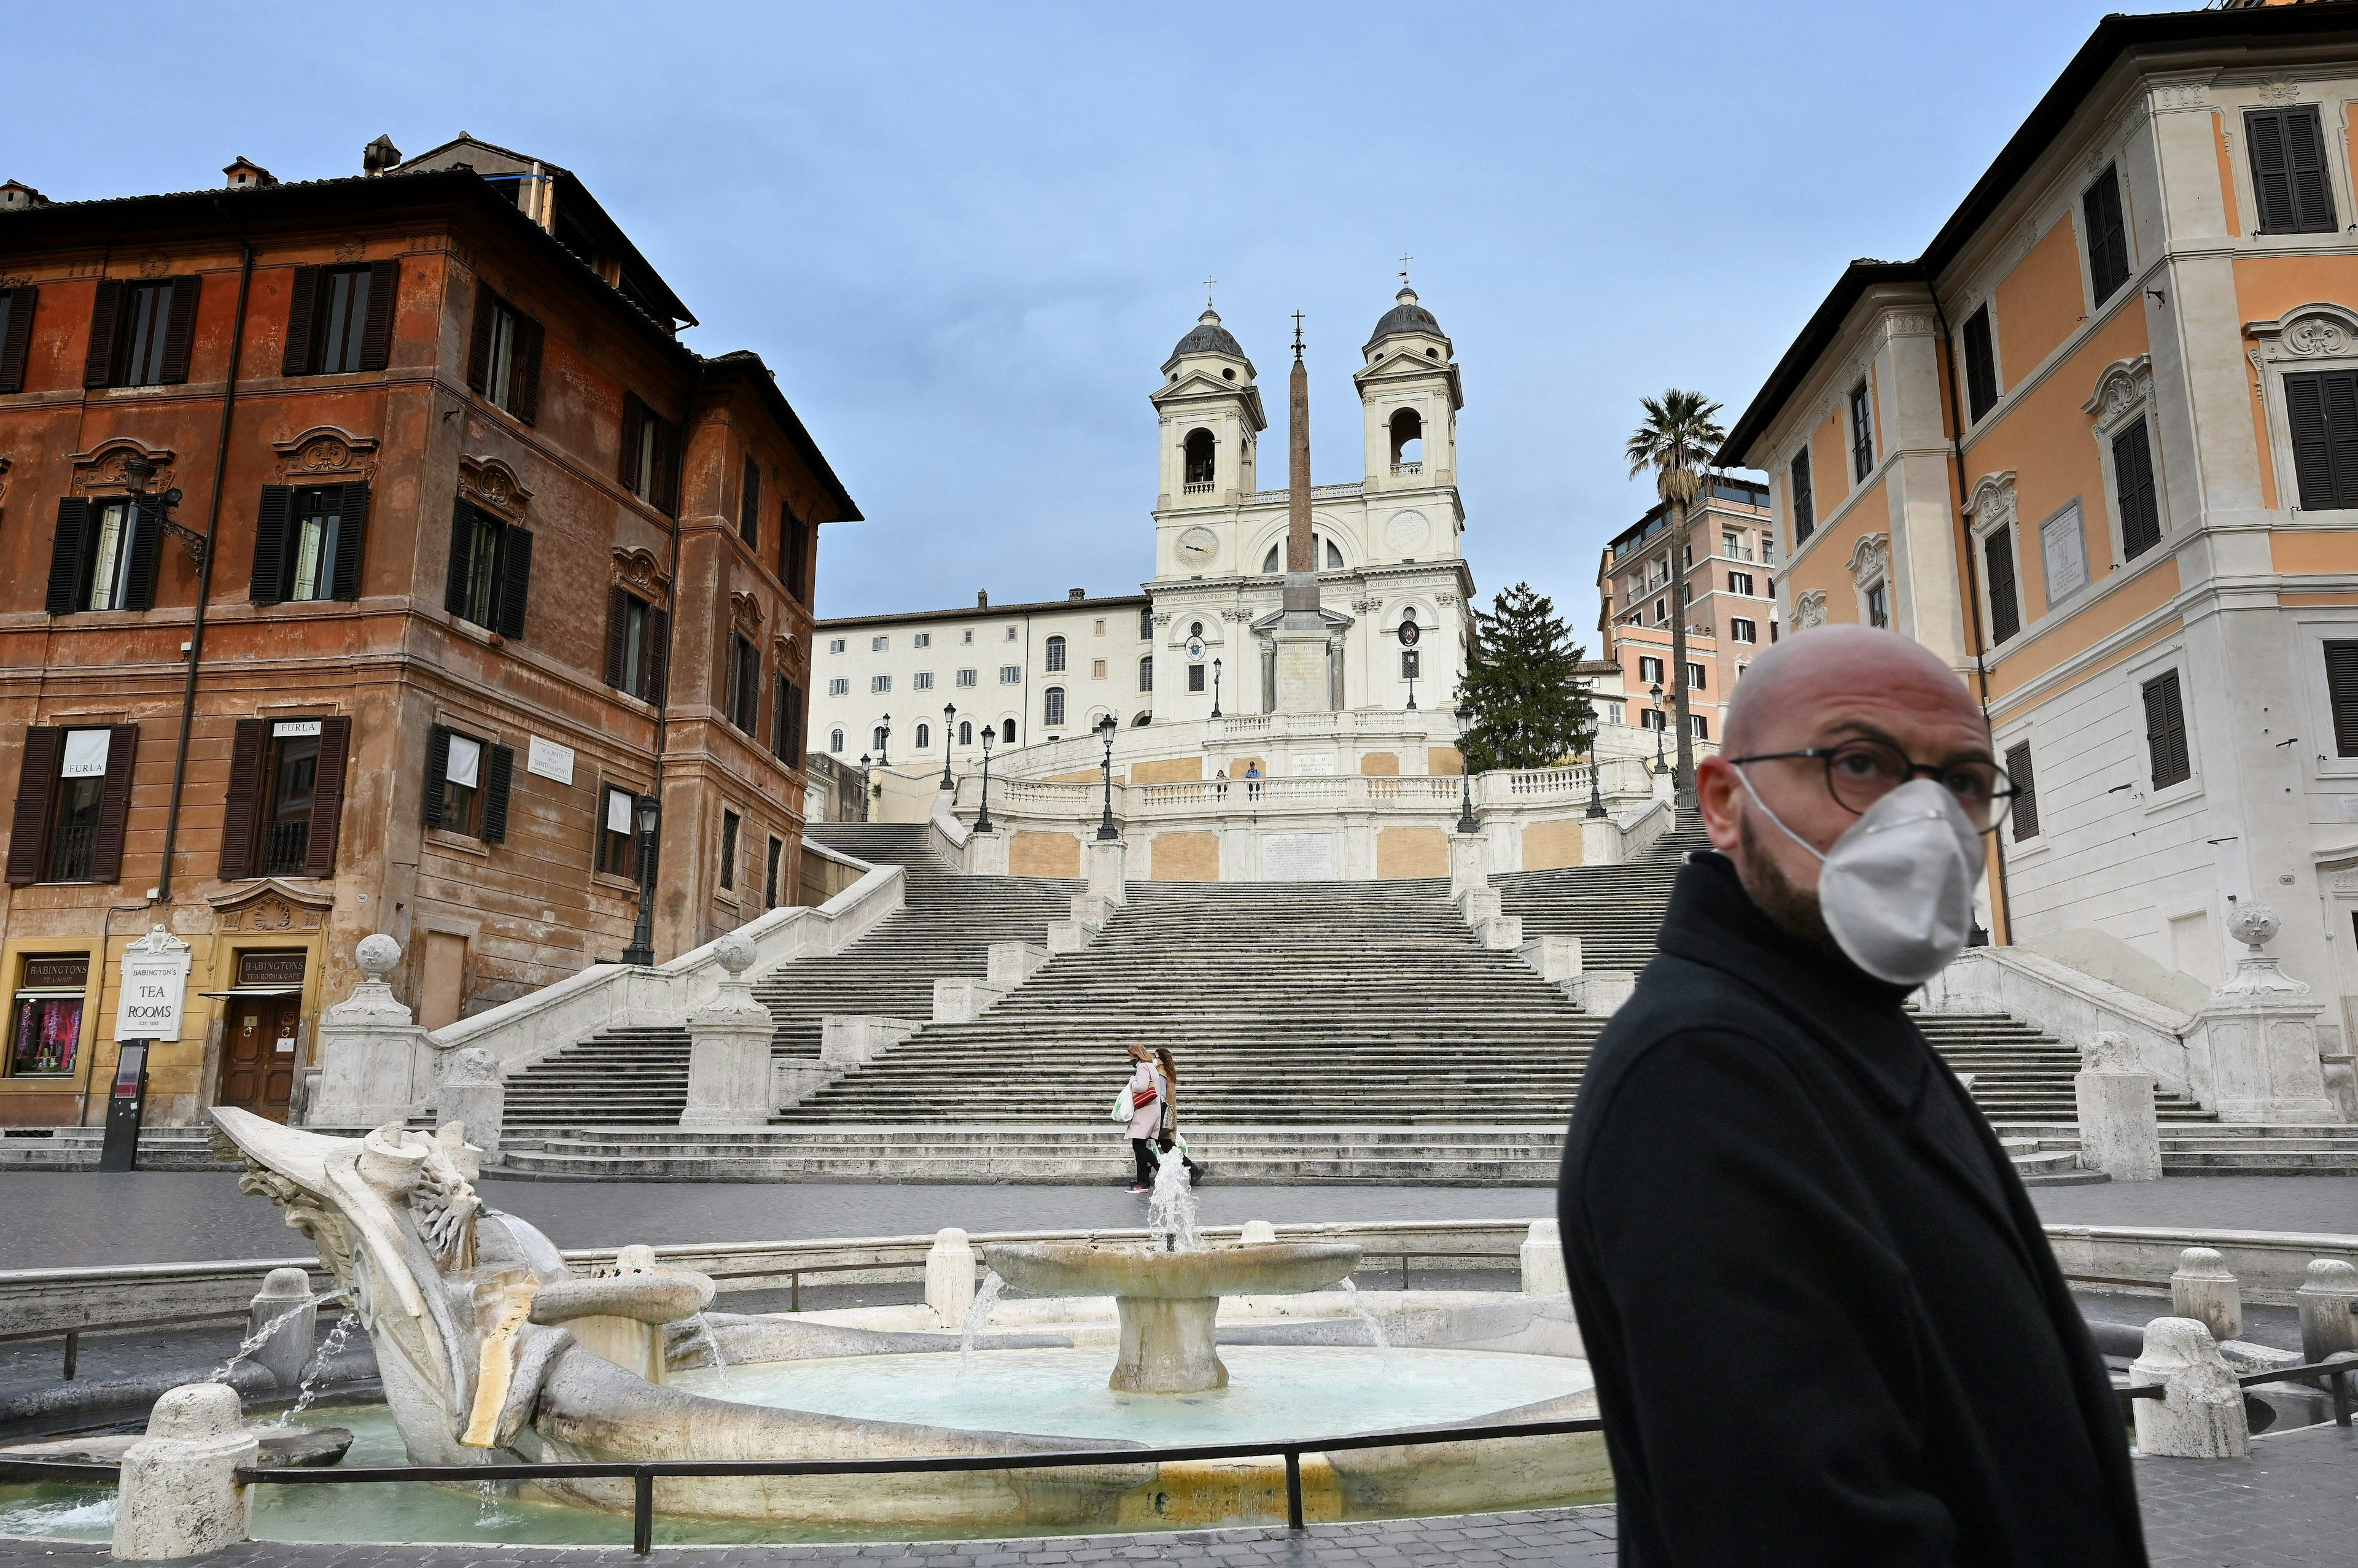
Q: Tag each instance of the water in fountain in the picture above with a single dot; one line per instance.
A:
(260, 1337)
(978, 1314)
(317, 1367)
(712, 1344)
(1383, 1345)
(1170, 1211)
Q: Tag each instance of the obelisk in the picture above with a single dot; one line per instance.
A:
(1300, 636)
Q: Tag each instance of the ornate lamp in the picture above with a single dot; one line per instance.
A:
(1216, 688)
(1655, 692)
(1465, 823)
(983, 814)
(1106, 729)
(950, 711)
(885, 742)
(642, 950)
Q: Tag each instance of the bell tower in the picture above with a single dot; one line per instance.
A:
(1409, 398)
(1211, 420)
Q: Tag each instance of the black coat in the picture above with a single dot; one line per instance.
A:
(1824, 1323)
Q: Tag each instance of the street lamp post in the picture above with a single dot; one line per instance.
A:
(1655, 691)
(1106, 729)
(885, 742)
(950, 711)
(641, 949)
(983, 814)
(1216, 688)
(1596, 778)
(1465, 823)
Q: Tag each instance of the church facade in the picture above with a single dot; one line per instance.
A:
(1385, 551)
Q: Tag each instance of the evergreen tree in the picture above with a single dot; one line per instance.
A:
(1530, 711)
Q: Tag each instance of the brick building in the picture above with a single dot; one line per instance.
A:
(368, 545)
(1731, 588)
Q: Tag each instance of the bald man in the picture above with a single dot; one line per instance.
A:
(1824, 1323)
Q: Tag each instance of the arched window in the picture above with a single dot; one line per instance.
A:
(924, 737)
(1008, 732)
(835, 741)
(965, 732)
(1142, 721)
(1408, 441)
(1146, 672)
(1051, 706)
(1056, 654)
(1320, 546)
(1334, 556)
(1199, 456)
(876, 739)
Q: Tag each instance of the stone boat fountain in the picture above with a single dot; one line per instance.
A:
(491, 1349)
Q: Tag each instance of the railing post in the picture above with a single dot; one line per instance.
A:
(1293, 1488)
(642, 1510)
(73, 1354)
(2340, 1381)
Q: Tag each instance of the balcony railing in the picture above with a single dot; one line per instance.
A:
(285, 847)
(1196, 487)
(1407, 470)
(72, 852)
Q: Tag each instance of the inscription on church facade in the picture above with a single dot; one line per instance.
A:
(1297, 856)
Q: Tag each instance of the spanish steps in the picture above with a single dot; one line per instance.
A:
(1325, 1030)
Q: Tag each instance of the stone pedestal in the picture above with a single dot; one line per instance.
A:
(1013, 963)
(1555, 957)
(2202, 1418)
(2327, 1327)
(285, 1299)
(1543, 1257)
(177, 1498)
(2253, 1054)
(1105, 861)
(2119, 1133)
(2204, 1290)
(1601, 993)
(468, 1091)
(794, 1080)
(1167, 1345)
(949, 1277)
(375, 1065)
(1093, 911)
(728, 1077)
(986, 854)
(849, 1040)
(961, 998)
(1303, 684)
(1481, 904)
(1501, 934)
(1469, 865)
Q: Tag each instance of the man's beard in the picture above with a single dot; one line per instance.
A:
(1794, 910)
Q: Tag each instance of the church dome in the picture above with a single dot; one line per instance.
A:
(1208, 337)
(1406, 316)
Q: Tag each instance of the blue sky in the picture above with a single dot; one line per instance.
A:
(967, 236)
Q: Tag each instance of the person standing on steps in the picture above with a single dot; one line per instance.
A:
(1767, 1154)
(1144, 1094)
(1168, 1140)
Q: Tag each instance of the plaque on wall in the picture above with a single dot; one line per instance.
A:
(58, 972)
(1297, 856)
(283, 969)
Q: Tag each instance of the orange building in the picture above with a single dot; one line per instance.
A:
(2098, 448)
(1731, 589)
(370, 545)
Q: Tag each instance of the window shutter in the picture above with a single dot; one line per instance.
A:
(749, 505)
(2006, 610)
(499, 772)
(634, 414)
(2271, 170)
(2312, 197)
(515, 581)
(352, 534)
(242, 805)
(462, 537)
(617, 615)
(2342, 691)
(2165, 732)
(658, 655)
(18, 342)
(147, 545)
(105, 326)
(65, 554)
(180, 330)
(478, 343)
(2025, 816)
(666, 487)
(302, 309)
(1805, 510)
(438, 769)
(2107, 239)
(270, 523)
(524, 382)
(1981, 363)
(328, 797)
(113, 804)
(778, 718)
(794, 747)
(2341, 389)
(2321, 409)
(37, 786)
(2133, 474)
(376, 334)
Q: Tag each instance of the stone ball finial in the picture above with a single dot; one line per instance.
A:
(196, 1411)
(2253, 925)
(376, 955)
(2330, 1274)
(735, 953)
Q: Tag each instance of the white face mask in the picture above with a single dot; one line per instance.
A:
(1897, 890)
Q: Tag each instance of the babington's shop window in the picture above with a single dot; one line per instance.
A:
(45, 1034)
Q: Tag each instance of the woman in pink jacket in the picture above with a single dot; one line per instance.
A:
(1146, 1092)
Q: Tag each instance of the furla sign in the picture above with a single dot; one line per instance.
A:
(154, 985)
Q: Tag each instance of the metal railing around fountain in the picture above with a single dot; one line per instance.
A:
(643, 1477)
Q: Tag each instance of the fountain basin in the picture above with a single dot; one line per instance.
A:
(1168, 1301)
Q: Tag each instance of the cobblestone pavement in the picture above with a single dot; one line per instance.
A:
(2293, 1504)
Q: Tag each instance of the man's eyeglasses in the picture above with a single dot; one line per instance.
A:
(1860, 773)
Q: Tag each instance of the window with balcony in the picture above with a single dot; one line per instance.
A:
(283, 804)
(72, 798)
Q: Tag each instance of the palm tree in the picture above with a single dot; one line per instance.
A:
(1677, 441)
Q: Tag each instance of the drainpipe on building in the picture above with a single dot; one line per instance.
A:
(2002, 906)
(205, 561)
(671, 671)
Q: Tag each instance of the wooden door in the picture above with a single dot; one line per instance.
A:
(258, 1054)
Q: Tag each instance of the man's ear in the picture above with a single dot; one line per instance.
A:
(1719, 791)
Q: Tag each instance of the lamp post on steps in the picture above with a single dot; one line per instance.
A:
(885, 742)
(1465, 823)
(1655, 691)
(983, 814)
(1106, 729)
(950, 711)
(642, 950)
(1216, 688)
(1596, 786)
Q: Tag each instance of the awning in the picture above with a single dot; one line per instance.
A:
(256, 990)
